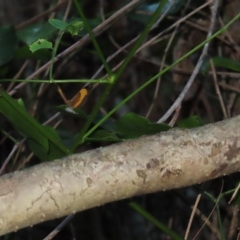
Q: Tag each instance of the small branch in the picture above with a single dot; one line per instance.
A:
(164, 161)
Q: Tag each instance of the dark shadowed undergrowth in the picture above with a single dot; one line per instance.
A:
(122, 78)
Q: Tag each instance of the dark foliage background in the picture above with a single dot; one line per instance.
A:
(173, 208)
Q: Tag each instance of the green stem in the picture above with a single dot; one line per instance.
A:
(76, 2)
(54, 54)
(216, 202)
(141, 38)
(15, 141)
(57, 80)
(220, 223)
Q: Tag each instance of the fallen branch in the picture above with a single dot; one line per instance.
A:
(168, 160)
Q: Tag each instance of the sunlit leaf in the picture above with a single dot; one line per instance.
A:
(40, 44)
(75, 27)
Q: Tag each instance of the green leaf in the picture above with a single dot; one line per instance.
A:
(42, 139)
(8, 44)
(38, 150)
(227, 63)
(222, 62)
(36, 31)
(75, 27)
(40, 44)
(58, 24)
(103, 135)
(53, 133)
(93, 22)
(132, 126)
(191, 122)
(41, 154)
(14, 112)
(108, 124)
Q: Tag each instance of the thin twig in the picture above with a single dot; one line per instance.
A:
(175, 117)
(175, 24)
(10, 156)
(218, 90)
(229, 87)
(18, 74)
(163, 61)
(41, 15)
(192, 215)
(234, 194)
(234, 222)
(96, 31)
(217, 201)
(180, 98)
(59, 227)
(150, 42)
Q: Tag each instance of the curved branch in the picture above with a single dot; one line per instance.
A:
(168, 160)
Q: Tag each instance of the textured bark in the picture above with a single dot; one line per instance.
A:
(173, 159)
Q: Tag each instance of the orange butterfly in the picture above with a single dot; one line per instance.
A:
(78, 99)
